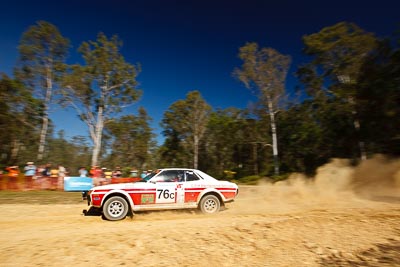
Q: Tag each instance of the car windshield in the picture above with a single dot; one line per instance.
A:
(148, 177)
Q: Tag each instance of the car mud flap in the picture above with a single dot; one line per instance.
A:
(92, 211)
(130, 214)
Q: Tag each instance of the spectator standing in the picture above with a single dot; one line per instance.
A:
(61, 174)
(103, 179)
(30, 172)
(103, 172)
(46, 182)
(117, 173)
(53, 178)
(13, 173)
(1, 179)
(83, 172)
(46, 170)
(91, 171)
(96, 175)
(108, 175)
(39, 177)
(134, 173)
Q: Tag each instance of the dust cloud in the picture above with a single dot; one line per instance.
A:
(378, 178)
(335, 185)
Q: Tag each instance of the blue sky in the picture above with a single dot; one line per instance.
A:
(187, 45)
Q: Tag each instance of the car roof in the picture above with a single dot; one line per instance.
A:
(202, 174)
(182, 169)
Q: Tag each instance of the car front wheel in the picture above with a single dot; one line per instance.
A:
(210, 204)
(115, 208)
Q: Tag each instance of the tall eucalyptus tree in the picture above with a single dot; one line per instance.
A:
(187, 121)
(42, 53)
(339, 53)
(265, 70)
(102, 87)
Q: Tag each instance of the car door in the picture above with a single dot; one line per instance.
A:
(169, 188)
(192, 187)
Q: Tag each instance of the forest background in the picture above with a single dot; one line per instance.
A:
(347, 105)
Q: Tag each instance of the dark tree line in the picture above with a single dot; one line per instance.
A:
(349, 108)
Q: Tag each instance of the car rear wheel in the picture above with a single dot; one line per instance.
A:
(115, 208)
(210, 204)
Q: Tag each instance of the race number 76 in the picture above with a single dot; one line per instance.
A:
(165, 194)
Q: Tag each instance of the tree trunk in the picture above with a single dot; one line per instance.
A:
(356, 123)
(98, 136)
(196, 151)
(274, 137)
(14, 150)
(255, 156)
(361, 144)
(45, 123)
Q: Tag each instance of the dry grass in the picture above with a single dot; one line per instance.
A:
(43, 197)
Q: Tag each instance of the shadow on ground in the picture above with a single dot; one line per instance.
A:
(384, 254)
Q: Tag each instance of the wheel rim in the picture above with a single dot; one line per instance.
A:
(116, 208)
(210, 206)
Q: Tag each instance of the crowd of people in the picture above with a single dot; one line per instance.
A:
(33, 177)
(51, 177)
(103, 175)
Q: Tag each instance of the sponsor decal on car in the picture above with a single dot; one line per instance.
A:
(147, 198)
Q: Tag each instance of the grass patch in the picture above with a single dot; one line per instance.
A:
(40, 197)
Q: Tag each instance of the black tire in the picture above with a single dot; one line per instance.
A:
(210, 204)
(115, 208)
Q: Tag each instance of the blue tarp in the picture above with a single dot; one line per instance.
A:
(77, 183)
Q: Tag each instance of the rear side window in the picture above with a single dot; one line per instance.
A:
(191, 176)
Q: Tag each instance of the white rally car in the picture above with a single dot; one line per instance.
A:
(163, 189)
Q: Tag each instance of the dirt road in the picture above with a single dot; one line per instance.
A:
(286, 224)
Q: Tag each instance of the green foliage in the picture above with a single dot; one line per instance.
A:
(106, 80)
(338, 54)
(132, 140)
(42, 51)
(340, 50)
(379, 100)
(71, 154)
(264, 69)
(106, 68)
(332, 78)
(224, 132)
(185, 123)
(20, 122)
(307, 137)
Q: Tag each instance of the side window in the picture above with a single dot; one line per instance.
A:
(170, 176)
(191, 176)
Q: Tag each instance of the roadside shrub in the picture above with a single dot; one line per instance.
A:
(250, 180)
